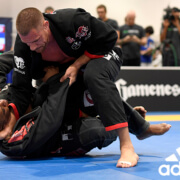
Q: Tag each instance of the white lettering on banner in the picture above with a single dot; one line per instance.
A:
(145, 90)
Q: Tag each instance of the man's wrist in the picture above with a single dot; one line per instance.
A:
(82, 60)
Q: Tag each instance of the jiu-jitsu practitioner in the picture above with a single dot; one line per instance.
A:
(46, 131)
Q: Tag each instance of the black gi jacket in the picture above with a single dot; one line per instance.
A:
(37, 133)
(76, 33)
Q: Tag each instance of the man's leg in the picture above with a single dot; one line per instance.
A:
(91, 133)
(140, 127)
(83, 135)
(99, 76)
(136, 123)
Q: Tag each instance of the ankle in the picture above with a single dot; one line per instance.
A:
(126, 146)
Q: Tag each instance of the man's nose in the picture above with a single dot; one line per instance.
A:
(33, 46)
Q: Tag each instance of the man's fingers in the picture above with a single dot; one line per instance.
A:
(63, 78)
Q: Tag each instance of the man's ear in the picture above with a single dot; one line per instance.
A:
(46, 24)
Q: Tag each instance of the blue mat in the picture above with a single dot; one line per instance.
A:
(101, 164)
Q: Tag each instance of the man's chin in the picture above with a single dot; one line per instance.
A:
(40, 50)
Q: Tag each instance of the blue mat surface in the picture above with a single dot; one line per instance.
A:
(101, 164)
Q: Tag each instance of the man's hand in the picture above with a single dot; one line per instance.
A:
(7, 130)
(70, 73)
(166, 23)
(72, 70)
(136, 39)
(141, 110)
(127, 39)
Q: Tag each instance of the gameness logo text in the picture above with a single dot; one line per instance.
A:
(145, 90)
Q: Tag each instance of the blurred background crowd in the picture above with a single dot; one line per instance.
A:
(143, 42)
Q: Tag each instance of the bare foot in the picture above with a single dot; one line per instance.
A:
(128, 158)
(155, 129)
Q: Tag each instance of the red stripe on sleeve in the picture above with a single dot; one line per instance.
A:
(16, 113)
(80, 113)
(93, 56)
(116, 126)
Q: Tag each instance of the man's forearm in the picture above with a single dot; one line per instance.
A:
(82, 60)
(143, 41)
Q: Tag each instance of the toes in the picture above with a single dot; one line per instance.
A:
(123, 164)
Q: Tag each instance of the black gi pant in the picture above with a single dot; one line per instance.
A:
(89, 133)
(99, 77)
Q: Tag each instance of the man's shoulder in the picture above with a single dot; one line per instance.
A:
(125, 26)
(137, 26)
(113, 23)
(150, 41)
(111, 20)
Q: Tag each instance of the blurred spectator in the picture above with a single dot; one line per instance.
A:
(146, 50)
(170, 37)
(157, 58)
(49, 9)
(132, 36)
(102, 11)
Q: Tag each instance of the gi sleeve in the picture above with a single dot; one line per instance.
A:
(21, 89)
(6, 65)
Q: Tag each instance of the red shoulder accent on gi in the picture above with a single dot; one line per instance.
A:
(82, 32)
(16, 113)
(20, 134)
(93, 56)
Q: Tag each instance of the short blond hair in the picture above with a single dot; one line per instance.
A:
(28, 19)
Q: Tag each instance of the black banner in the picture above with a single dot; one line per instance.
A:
(155, 89)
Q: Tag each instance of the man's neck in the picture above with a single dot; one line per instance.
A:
(105, 19)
